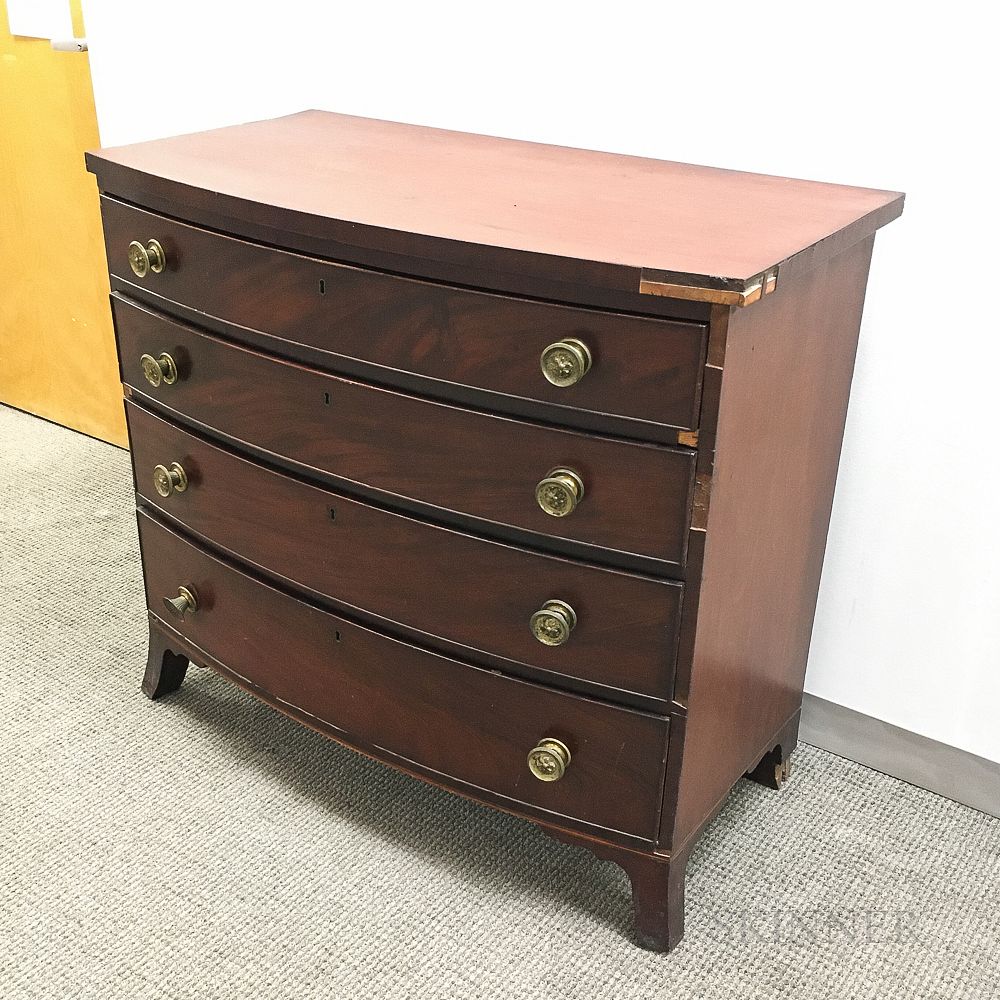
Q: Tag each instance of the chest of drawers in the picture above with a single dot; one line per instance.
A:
(508, 465)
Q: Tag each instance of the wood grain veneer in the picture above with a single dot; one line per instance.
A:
(575, 215)
(356, 310)
(636, 500)
(397, 327)
(463, 724)
(354, 553)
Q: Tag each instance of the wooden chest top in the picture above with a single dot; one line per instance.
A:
(575, 216)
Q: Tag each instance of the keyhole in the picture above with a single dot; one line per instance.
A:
(337, 635)
(322, 287)
(326, 398)
(333, 514)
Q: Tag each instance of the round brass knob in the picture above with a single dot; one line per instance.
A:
(565, 362)
(559, 492)
(143, 259)
(553, 622)
(549, 760)
(186, 602)
(172, 480)
(156, 370)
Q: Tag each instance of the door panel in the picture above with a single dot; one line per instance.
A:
(57, 351)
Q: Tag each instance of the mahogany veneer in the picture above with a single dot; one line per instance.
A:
(330, 333)
(382, 326)
(353, 554)
(638, 495)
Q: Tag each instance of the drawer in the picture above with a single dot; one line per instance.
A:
(636, 497)
(467, 727)
(466, 590)
(642, 368)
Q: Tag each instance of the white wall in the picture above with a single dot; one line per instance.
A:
(897, 96)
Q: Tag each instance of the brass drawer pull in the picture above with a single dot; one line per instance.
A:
(565, 362)
(553, 622)
(143, 259)
(549, 760)
(559, 492)
(186, 602)
(156, 370)
(170, 480)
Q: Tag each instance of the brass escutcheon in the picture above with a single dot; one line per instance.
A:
(565, 362)
(559, 492)
(170, 480)
(548, 761)
(143, 259)
(553, 622)
(184, 603)
(156, 370)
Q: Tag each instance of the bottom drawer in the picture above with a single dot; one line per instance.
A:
(470, 728)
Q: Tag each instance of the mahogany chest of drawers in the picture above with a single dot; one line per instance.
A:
(508, 465)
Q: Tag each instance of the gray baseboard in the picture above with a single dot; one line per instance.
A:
(955, 774)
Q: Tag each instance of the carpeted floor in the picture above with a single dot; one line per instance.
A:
(204, 846)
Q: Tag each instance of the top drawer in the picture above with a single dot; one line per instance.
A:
(640, 368)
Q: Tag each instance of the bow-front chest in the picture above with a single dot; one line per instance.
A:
(508, 465)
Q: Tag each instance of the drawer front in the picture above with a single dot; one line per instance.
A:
(466, 725)
(648, 369)
(636, 497)
(463, 589)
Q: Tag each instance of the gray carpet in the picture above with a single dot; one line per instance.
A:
(204, 846)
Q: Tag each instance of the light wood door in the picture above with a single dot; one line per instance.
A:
(57, 353)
